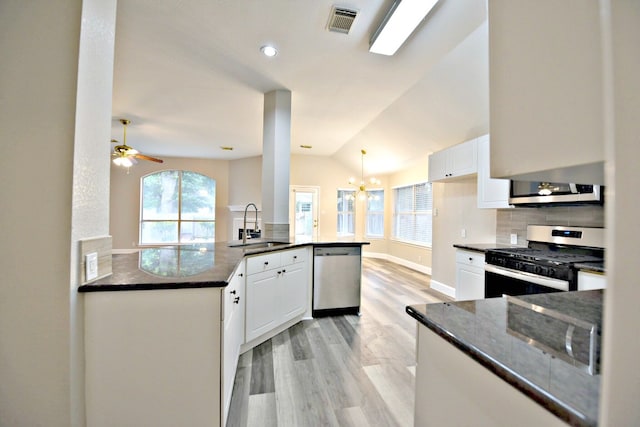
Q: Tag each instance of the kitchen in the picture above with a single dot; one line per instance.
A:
(42, 383)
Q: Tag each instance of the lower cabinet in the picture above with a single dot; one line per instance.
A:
(588, 280)
(233, 334)
(153, 358)
(469, 275)
(277, 290)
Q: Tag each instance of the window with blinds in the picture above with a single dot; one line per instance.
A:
(346, 212)
(375, 214)
(412, 207)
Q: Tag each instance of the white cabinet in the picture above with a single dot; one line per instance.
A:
(546, 104)
(277, 290)
(233, 333)
(588, 280)
(492, 193)
(469, 275)
(454, 162)
(152, 358)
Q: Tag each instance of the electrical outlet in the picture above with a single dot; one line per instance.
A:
(514, 239)
(91, 265)
(463, 232)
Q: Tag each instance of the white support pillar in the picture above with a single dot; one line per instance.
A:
(276, 150)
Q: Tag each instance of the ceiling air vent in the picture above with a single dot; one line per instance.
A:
(341, 19)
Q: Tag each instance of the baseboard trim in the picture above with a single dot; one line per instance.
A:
(412, 265)
(442, 288)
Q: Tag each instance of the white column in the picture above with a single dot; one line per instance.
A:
(276, 150)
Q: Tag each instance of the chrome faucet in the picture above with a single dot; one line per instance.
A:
(244, 223)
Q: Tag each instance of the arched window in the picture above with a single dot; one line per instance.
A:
(177, 207)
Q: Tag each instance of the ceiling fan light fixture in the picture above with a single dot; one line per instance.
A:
(396, 27)
(123, 161)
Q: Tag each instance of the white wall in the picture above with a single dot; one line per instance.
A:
(90, 199)
(44, 87)
(457, 207)
(621, 376)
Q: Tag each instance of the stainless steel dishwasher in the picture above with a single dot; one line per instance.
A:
(337, 272)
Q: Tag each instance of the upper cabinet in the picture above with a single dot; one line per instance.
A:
(545, 80)
(454, 162)
(492, 193)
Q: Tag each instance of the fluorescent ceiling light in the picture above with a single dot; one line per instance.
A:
(403, 17)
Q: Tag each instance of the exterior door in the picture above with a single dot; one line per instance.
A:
(304, 213)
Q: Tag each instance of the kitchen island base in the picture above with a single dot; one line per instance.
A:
(454, 390)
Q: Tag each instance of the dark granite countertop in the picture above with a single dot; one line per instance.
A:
(482, 247)
(591, 266)
(506, 336)
(184, 266)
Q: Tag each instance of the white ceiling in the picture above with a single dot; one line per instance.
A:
(190, 76)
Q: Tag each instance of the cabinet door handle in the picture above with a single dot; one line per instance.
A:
(236, 300)
(266, 263)
(295, 257)
(470, 259)
(240, 275)
(233, 292)
(284, 271)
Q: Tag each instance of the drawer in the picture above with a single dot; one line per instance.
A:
(470, 258)
(294, 256)
(260, 263)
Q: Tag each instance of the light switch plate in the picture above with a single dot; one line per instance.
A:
(91, 266)
(514, 239)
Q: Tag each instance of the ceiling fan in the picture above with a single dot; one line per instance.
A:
(123, 155)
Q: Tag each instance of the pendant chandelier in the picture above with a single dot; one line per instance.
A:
(361, 189)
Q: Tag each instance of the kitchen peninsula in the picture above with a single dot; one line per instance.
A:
(527, 360)
(164, 331)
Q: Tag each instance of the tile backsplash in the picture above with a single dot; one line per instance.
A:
(515, 220)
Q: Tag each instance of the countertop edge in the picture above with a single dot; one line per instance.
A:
(96, 286)
(149, 286)
(542, 397)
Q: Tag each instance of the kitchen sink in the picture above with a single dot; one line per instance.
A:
(256, 244)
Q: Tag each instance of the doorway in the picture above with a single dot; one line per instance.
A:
(304, 213)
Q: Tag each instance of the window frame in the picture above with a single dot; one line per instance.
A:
(342, 213)
(368, 212)
(179, 221)
(428, 213)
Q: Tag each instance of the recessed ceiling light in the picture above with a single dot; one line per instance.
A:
(269, 51)
(227, 148)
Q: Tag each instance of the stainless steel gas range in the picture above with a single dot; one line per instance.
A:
(546, 265)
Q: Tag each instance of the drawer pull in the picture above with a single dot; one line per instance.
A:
(266, 263)
(236, 300)
(295, 257)
(470, 259)
(233, 292)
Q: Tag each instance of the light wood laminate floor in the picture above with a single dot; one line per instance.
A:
(343, 370)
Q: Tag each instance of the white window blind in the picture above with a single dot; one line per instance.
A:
(375, 213)
(412, 209)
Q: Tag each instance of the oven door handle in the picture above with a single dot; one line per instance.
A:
(561, 285)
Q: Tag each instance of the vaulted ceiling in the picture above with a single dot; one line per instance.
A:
(190, 76)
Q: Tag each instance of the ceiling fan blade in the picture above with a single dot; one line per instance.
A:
(145, 157)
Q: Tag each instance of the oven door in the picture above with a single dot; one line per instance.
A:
(500, 281)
